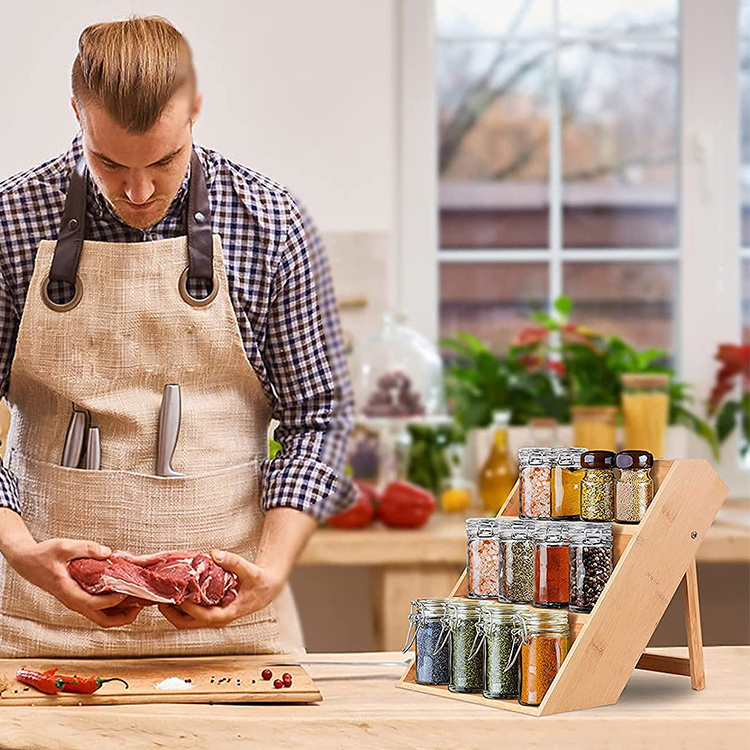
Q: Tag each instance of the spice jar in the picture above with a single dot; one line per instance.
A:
(517, 561)
(426, 629)
(566, 482)
(552, 569)
(598, 486)
(483, 557)
(535, 467)
(544, 646)
(635, 487)
(466, 660)
(497, 623)
(590, 563)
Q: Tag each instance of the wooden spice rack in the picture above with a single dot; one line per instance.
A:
(651, 559)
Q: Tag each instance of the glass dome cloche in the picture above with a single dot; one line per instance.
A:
(397, 373)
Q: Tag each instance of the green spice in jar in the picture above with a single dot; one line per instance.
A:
(467, 662)
(635, 488)
(517, 552)
(500, 667)
(598, 486)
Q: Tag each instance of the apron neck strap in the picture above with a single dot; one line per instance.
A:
(73, 226)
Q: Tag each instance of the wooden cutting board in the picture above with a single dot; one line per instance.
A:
(215, 679)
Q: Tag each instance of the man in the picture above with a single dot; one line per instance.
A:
(133, 261)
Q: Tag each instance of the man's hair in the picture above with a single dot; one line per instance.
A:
(132, 68)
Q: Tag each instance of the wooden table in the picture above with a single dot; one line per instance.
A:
(426, 562)
(362, 709)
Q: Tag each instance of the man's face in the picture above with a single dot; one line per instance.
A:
(139, 174)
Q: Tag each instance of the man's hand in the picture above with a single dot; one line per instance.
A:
(45, 564)
(257, 588)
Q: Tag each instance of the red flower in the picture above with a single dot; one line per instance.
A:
(735, 361)
(557, 367)
(530, 336)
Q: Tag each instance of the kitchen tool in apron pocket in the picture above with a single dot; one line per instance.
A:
(75, 438)
(169, 431)
(93, 455)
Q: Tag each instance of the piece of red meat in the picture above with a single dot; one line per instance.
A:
(164, 577)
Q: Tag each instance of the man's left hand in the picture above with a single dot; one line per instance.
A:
(258, 586)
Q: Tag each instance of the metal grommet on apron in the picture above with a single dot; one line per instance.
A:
(111, 353)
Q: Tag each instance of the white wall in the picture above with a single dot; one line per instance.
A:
(302, 91)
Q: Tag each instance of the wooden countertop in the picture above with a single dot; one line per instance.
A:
(362, 708)
(443, 541)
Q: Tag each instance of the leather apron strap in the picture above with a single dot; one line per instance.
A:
(73, 227)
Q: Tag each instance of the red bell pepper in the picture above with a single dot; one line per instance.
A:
(405, 505)
(362, 513)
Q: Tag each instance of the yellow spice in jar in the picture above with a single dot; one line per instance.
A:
(566, 492)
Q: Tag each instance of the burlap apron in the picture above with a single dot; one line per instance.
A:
(132, 332)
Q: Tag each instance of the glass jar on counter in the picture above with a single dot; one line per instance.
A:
(544, 645)
(466, 660)
(517, 561)
(566, 482)
(591, 562)
(535, 469)
(598, 486)
(498, 623)
(483, 558)
(552, 565)
(426, 630)
(635, 487)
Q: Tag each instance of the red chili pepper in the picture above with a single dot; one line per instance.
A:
(51, 683)
(77, 684)
(361, 513)
(42, 681)
(405, 505)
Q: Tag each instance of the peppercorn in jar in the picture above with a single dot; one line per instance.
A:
(544, 646)
(426, 629)
(566, 482)
(552, 565)
(598, 486)
(535, 468)
(635, 487)
(591, 562)
(483, 558)
(517, 561)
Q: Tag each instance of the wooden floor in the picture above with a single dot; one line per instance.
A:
(362, 709)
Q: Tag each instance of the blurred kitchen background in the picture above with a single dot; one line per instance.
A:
(523, 202)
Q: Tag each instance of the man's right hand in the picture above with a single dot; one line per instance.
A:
(45, 564)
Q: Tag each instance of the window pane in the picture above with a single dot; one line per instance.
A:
(643, 17)
(631, 300)
(491, 300)
(494, 136)
(745, 301)
(619, 108)
(481, 18)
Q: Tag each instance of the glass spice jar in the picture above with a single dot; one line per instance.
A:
(535, 467)
(426, 630)
(598, 486)
(517, 561)
(591, 562)
(544, 646)
(566, 482)
(635, 487)
(497, 624)
(552, 565)
(466, 661)
(483, 558)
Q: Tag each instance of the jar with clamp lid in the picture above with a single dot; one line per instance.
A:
(598, 486)
(567, 474)
(635, 487)
(535, 468)
(483, 557)
(517, 551)
(544, 641)
(591, 562)
(426, 629)
(462, 637)
(497, 624)
(552, 565)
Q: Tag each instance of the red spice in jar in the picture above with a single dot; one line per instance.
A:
(552, 579)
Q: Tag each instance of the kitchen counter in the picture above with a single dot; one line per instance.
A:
(362, 709)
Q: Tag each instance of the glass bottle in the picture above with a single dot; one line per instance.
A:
(566, 482)
(483, 557)
(426, 630)
(635, 487)
(517, 550)
(535, 466)
(497, 476)
(552, 565)
(457, 493)
(598, 486)
(544, 645)
(467, 665)
(591, 562)
(498, 623)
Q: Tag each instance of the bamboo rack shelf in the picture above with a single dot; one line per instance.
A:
(651, 559)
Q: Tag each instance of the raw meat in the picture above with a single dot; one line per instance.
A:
(164, 577)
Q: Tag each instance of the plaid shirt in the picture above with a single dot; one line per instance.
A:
(282, 293)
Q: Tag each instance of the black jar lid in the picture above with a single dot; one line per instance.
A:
(598, 459)
(634, 460)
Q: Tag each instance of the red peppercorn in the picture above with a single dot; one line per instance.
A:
(278, 684)
(286, 678)
(266, 674)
